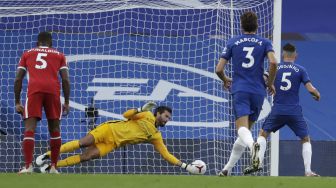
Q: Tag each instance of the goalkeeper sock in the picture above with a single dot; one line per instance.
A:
(237, 151)
(246, 136)
(307, 155)
(28, 147)
(55, 145)
(262, 142)
(68, 147)
(72, 160)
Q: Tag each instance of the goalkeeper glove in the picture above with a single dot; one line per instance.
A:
(147, 107)
(190, 168)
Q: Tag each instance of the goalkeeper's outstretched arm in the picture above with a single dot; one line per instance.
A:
(162, 149)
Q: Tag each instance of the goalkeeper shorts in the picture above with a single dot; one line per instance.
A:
(104, 140)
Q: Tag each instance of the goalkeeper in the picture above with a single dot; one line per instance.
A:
(141, 126)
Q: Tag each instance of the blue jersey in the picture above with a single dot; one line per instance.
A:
(287, 85)
(247, 53)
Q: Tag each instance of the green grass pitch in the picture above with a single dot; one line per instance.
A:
(158, 181)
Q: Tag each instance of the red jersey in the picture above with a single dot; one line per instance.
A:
(42, 65)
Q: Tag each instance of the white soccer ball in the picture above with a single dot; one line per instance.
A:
(200, 165)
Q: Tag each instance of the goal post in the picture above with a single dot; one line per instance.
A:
(122, 54)
(275, 138)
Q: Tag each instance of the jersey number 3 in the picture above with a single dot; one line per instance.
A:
(286, 80)
(41, 60)
(249, 56)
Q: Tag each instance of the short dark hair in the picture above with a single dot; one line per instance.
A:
(289, 48)
(162, 109)
(44, 39)
(249, 21)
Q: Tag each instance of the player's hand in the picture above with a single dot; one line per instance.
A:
(317, 97)
(192, 169)
(271, 89)
(19, 108)
(147, 107)
(66, 109)
(227, 83)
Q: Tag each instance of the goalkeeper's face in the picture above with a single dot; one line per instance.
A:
(163, 118)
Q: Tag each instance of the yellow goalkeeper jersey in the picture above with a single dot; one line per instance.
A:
(138, 128)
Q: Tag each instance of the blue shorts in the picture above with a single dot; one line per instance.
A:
(297, 123)
(247, 104)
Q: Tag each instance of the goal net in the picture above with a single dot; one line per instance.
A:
(122, 54)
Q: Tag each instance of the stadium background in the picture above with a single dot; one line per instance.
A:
(315, 39)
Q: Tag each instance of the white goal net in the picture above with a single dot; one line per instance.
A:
(122, 54)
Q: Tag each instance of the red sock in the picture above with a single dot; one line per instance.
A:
(28, 147)
(55, 146)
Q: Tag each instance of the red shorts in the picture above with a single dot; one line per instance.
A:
(50, 102)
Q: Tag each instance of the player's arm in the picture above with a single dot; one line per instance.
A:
(271, 71)
(220, 71)
(220, 68)
(20, 73)
(64, 73)
(313, 91)
(131, 114)
(160, 147)
(135, 114)
(265, 76)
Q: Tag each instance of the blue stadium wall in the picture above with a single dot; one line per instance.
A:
(315, 37)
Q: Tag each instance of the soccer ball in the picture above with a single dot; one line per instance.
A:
(200, 165)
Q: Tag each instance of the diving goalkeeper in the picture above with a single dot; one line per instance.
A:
(140, 126)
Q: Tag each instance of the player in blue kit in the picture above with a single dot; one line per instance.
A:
(286, 109)
(247, 53)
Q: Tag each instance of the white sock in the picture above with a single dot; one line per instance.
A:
(307, 154)
(246, 136)
(262, 142)
(237, 151)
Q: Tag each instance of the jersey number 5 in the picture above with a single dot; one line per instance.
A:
(40, 59)
(285, 80)
(249, 56)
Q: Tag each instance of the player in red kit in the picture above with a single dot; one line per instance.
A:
(43, 64)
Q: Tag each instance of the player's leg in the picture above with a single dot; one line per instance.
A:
(241, 105)
(307, 155)
(263, 144)
(237, 151)
(271, 124)
(99, 142)
(95, 139)
(261, 141)
(95, 136)
(28, 144)
(86, 141)
(53, 109)
(68, 147)
(255, 107)
(300, 128)
(55, 143)
(92, 152)
(32, 114)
